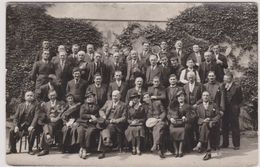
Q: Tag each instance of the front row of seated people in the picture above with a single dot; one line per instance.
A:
(143, 115)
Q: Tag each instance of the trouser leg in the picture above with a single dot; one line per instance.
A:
(225, 129)
(234, 122)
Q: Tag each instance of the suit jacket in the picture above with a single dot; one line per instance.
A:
(166, 72)
(100, 94)
(42, 94)
(144, 57)
(63, 75)
(217, 93)
(233, 98)
(20, 114)
(89, 57)
(205, 68)
(212, 112)
(119, 112)
(72, 60)
(159, 92)
(177, 113)
(220, 68)
(132, 91)
(195, 95)
(77, 90)
(177, 70)
(111, 67)
(92, 69)
(134, 70)
(85, 114)
(182, 58)
(57, 108)
(150, 74)
(195, 59)
(113, 86)
(171, 94)
(106, 57)
(155, 110)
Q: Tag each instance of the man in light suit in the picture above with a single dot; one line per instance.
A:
(179, 53)
(221, 61)
(90, 53)
(118, 84)
(52, 123)
(233, 100)
(77, 86)
(114, 115)
(106, 55)
(115, 65)
(25, 121)
(73, 57)
(99, 89)
(197, 57)
(153, 70)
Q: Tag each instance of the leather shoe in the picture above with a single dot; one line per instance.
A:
(101, 156)
(180, 154)
(207, 156)
(224, 146)
(30, 152)
(11, 151)
(236, 148)
(133, 152)
(161, 154)
(43, 152)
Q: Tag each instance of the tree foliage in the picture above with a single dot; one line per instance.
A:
(27, 26)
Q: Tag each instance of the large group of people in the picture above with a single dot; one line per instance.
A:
(97, 101)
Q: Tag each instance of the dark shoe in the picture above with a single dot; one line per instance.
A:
(30, 152)
(224, 146)
(207, 156)
(161, 154)
(101, 156)
(181, 155)
(11, 151)
(43, 152)
(236, 148)
(133, 152)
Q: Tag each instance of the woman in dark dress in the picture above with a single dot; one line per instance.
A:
(136, 117)
(180, 115)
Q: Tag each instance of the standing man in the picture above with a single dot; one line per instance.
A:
(73, 57)
(25, 121)
(77, 86)
(164, 50)
(179, 53)
(221, 61)
(153, 70)
(234, 98)
(115, 65)
(45, 47)
(196, 56)
(99, 89)
(106, 55)
(145, 54)
(166, 70)
(90, 53)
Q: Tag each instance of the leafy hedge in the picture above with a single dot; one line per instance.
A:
(27, 26)
(207, 24)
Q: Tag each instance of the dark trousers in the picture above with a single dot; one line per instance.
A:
(85, 136)
(54, 130)
(209, 136)
(14, 137)
(159, 131)
(230, 121)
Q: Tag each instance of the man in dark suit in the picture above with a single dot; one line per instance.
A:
(77, 86)
(52, 123)
(114, 115)
(145, 54)
(172, 90)
(197, 56)
(106, 55)
(208, 120)
(164, 50)
(73, 57)
(115, 65)
(179, 53)
(153, 70)
(234, 98)
(206, 66)
(176, 67)
(118, 84)
(156, 91)
(63, 71)
(42, 94)
(45, 47)
(97, 66)
(90, 53)
(166, 70)
(137, 89)
(134, 69)
(221, 61)
(25, 122)
(156, 110)
(99, 89)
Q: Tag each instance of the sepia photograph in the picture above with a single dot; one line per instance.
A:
(112, 84)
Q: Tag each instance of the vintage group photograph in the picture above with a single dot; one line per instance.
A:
(112, 84)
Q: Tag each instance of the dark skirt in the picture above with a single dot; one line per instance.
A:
(177, 133)
(133, 132)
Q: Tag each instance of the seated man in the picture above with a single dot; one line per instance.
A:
(87, 124)
(208, 121)
(25, 121)
(52, 122)
(69, 117)
(113, 116)
(156, 111)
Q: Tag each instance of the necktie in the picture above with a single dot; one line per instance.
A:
(62, 64)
